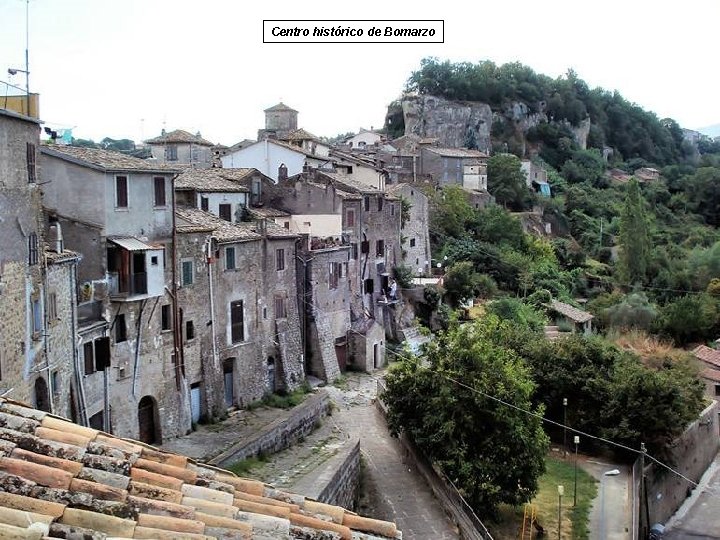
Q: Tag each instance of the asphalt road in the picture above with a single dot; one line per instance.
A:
(699, 517)
(610, 516)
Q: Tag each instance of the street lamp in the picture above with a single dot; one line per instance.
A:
(561, 492)
(576, 440)
(565, 427)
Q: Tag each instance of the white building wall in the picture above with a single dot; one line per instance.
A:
(266, 157)
(235, 200)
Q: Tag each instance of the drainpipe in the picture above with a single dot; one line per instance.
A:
(45, 333)
(210, 260)
(138, 337)
(177, 346)
(76, 340)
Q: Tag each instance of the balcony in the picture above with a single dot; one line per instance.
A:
(135, 270)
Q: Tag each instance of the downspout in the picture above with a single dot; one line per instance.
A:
(45, 334)
(76, 340)
(177, 349)
(138, 337)
(210, 261)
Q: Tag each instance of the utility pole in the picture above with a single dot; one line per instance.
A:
(643, 493)
(576, 440)
(561, 492)
(565, 402)
(27, 55)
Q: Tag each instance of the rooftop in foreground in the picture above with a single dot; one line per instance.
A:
(62, 480)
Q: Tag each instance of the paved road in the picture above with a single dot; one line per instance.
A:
(610, 516)
(401, 489)
(699, 517)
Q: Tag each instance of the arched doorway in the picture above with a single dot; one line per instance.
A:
(146, 421)
(42, 396)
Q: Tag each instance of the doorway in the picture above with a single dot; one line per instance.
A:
(146, 420)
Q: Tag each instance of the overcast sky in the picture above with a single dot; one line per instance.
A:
(126, 68)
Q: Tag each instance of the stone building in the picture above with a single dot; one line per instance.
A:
(460, 166)
(181, 148)
(116, 211)
(280, 120)
(37, 331)
(244, 284)
(414, 228)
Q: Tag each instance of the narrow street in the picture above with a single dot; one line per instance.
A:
(391, 490)
(698, 518)
(610, 515)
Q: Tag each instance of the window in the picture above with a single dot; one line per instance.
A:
(229, 258)
(121, 192)
(380, 203)
(237, 321)
(225, 211)
(89, 358)
(392, 209)
(52, 306)
(204, 204)
(287, 224)
(367, 203)
(32, 249)
(280, 308)
(120, 329)
(187, 273)
(369, 286)
(365, 246)
(412, 242)
(165, 317)
(102, 353)
(280, 259)
(380, 248)
(37, 316)
(354, 250)
(97, 421)
(335, 273)
(154, 260)
(171, 152)
(159, 191)
(30, 152)
(350, 217)
(717, 389)
(189, 330)
(55, 379)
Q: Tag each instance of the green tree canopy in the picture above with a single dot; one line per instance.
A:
(492, 452)
(634, 236)
(506, 181)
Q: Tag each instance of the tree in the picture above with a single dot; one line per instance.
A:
(585, 166)
(451, 213)
(634, 236)
(506, 181)
(633, 312)
(497, 226)
(461, 283)
(492, 452)
(694, 317)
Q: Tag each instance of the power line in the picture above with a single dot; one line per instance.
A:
(526, 411)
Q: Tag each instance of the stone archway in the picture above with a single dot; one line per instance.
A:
(147, 414)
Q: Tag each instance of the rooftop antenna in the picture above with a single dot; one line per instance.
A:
(26, 71)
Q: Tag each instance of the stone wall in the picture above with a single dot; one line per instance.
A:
(337, 480)
(280, 434)
(690, 454)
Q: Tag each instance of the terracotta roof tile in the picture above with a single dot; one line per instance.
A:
(70, 491)
(279, 107)
(214, 180)
(105, 159)
(708, 355)
(196, 220)
(179, 136)
(456, 152)
(572, 313)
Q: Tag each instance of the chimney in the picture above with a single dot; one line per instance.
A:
(56, 238)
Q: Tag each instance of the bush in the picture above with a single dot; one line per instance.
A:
(692, 318)
(512, 309)
(404, 276)
(634, 312)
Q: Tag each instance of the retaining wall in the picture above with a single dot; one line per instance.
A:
(280, 434)
(337, 480)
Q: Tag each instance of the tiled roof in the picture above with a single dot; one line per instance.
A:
(267, 212)
(213, 180)
(299, 150)
(105, 160)
(54, 257)
(195, 220)
(179, 136)
(572, 313)
(707, 355)
(300, 135)
(711, 374)
(346, 183)
(455, 152)
(279, 107)
(62, 480)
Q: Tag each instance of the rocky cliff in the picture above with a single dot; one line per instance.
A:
(455, 123)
